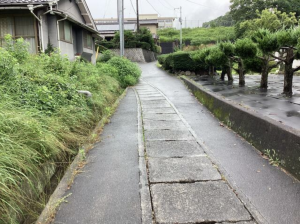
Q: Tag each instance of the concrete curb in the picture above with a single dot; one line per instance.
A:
(146, 205)
(57, 197)
(261, 131)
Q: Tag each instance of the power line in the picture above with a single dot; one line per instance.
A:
(166, 6)
(196, 3)
(169, 4)
(105, 9)
(153, 7)
(133, 7)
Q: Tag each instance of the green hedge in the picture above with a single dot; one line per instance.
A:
(179, 61)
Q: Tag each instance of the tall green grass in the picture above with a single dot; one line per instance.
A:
(43, 120)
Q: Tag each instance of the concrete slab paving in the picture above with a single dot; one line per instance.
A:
(163, 149)
(163, 125)
(163, 110)
(168, 135)
(163, 170)
(156, 105)
(246, 222)
(151, 98)
(162, 117)
(152, 94)
(148, 102)
(211, 201)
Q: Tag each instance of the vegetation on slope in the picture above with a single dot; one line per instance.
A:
(44, 120)
(198, 36)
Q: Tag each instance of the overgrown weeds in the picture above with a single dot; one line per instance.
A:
(44, 121)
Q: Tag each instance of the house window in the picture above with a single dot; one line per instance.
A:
(87, 40)
(17, 27)
(65, 31)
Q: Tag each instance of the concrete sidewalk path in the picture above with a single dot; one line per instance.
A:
(107, 190)
(164, 158)
(186, 187)
(271, 194)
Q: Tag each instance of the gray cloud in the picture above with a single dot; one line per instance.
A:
(204, 10)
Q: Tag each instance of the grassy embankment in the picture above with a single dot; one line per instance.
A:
(198, 36)
(43, 119)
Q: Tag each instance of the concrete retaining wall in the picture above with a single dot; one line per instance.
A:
(263, 132)
(137, 54)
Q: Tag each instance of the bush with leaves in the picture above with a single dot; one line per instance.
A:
(128, 71)
(106, 56)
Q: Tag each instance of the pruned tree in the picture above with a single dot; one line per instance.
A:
(216, 58)
(199, 58)
(288, 42)
(244, 49)
(228, 49)
(267, 45)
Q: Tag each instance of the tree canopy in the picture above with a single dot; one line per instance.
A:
(242, 10)
(272, 20)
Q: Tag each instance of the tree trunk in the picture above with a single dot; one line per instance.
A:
(241, 73)
(288, 73)
(223, 73)
(229, 74)
(264, 75)
(211, 71)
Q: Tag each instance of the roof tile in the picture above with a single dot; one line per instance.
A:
(14, 2)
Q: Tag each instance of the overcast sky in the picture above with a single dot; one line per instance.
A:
(195, 11)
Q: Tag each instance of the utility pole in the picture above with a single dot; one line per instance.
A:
(185, 23)
(180, 28)
(121, 25)
(137, 16)
(180, 20)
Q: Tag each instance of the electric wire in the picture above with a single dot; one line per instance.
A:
(169, 4)
(153, 7)
(167, 7)
(196, 3)
(105, 9)
(133, 7)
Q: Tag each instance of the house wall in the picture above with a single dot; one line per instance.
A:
(52, 31)
(152, 28)
(71, 8)
(67, 49)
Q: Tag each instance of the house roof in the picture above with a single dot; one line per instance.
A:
(70, 18)
(82, 5)
(22, 2)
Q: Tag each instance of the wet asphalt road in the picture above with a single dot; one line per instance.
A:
(274, 194)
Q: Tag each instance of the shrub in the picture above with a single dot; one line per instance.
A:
(182, 61)
(162, 58)
(125, 68)
(7, 65)
(17, 48)
(107, 69)
(106, 56)
(179, 61)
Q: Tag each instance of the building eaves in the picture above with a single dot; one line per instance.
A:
(23, 2)
(70, 18)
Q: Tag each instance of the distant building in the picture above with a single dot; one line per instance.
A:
(165, 22)
(108, 27)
